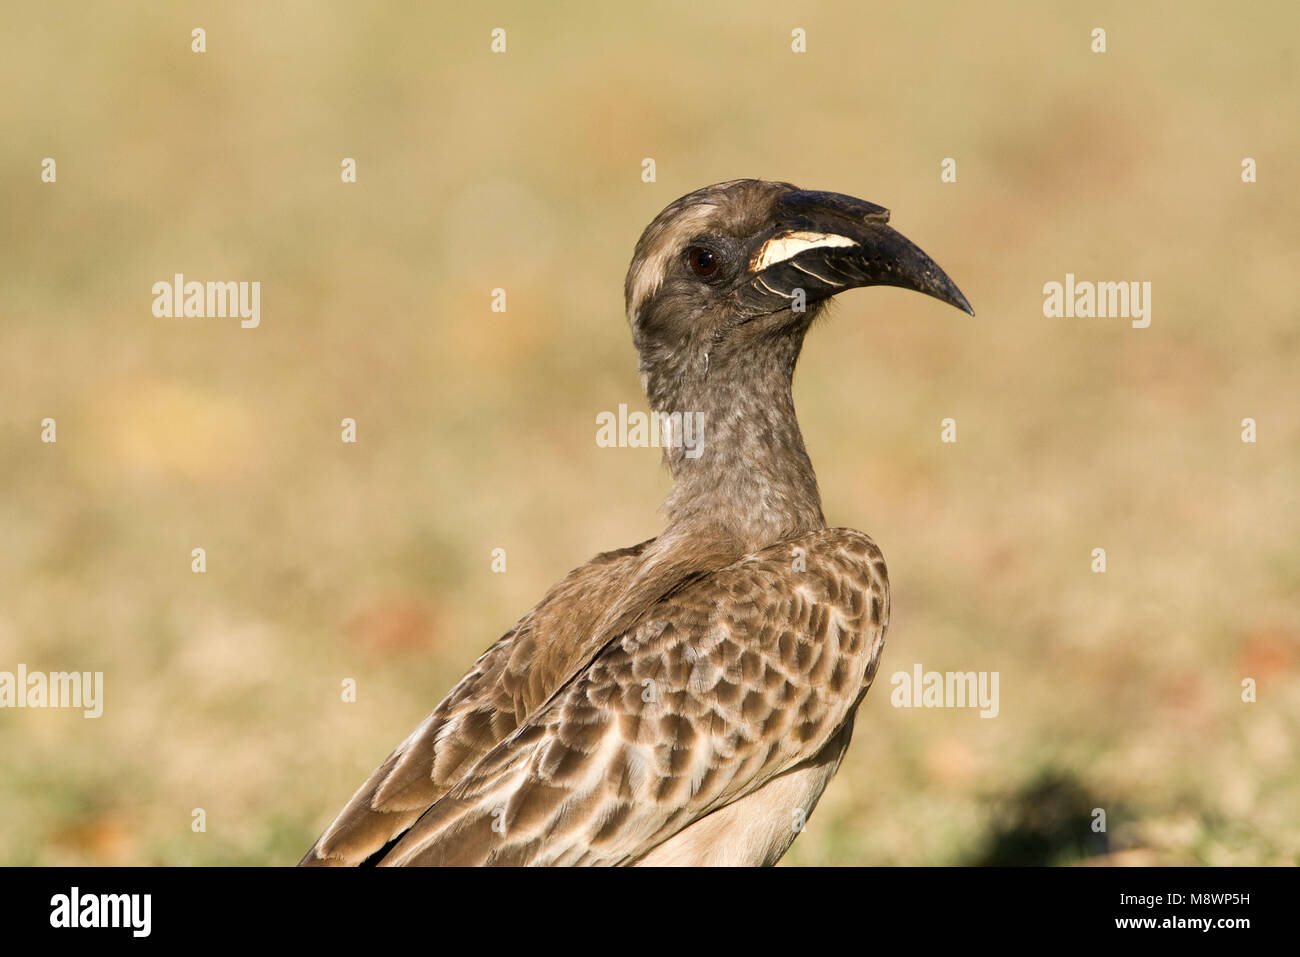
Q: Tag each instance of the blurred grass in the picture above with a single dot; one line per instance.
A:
(372, 561)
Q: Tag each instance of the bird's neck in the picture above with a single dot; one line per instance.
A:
(747, 479)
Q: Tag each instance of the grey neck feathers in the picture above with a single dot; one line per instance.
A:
(748, 480)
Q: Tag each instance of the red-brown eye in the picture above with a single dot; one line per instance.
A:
(703, 262)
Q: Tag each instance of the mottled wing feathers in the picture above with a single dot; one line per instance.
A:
(515, 676)
(724, 684)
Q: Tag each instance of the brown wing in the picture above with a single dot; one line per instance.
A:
(724, 684)
(509, 681)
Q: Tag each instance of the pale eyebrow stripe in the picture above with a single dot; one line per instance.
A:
(780, 248)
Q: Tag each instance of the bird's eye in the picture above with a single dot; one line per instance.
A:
(703, 262)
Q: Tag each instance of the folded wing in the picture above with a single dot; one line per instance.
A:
(727, 682)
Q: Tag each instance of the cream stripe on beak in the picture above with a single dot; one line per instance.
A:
(780, 248)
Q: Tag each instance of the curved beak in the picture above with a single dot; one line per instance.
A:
(824, 243)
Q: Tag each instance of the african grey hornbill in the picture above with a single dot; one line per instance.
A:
(685, 700)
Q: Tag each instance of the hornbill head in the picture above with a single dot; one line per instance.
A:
(736, 271)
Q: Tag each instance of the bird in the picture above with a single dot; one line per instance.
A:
(684, 701)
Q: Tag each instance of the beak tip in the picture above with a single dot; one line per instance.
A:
(955, 298)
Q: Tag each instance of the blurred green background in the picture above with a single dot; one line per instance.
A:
(476, 429)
